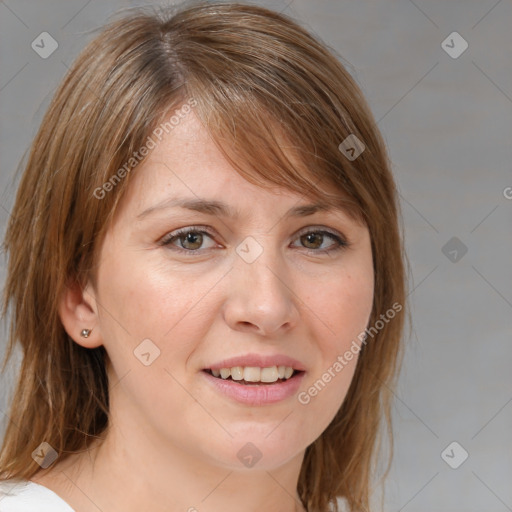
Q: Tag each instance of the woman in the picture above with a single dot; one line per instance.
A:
(205, 275)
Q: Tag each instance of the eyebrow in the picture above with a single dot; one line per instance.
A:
(217, 208)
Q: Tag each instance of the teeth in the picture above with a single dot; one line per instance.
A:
(254, 373)
(237, 373)
(269, 374)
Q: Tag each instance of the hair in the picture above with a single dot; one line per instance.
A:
(278, 103)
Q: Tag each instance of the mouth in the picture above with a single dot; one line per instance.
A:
(254, 375)
(259, 382)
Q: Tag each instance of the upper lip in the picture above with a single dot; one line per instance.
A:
(258, 360)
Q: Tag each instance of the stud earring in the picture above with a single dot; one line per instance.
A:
(85, 333)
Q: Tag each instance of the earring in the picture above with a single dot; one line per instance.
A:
(85, 333)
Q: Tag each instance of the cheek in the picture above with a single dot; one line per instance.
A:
(343, 307)
(152, 318)
(342, 312)
(143, 299)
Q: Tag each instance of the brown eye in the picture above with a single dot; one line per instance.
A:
(320, 241)
(189, 240)
(192, 240)
(312, 240)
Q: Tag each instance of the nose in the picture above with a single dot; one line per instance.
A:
(261, 299)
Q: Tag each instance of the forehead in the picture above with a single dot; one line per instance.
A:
(187, 168)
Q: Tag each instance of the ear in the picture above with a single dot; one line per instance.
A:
(78, 311)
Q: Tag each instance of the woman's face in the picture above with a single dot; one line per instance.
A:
(260, 281)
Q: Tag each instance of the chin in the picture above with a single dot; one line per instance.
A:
(258, 451)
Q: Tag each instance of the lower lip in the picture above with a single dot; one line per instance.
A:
(257, 394)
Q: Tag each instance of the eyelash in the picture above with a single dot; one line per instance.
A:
(340, 243)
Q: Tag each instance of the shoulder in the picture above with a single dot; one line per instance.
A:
(26, 496)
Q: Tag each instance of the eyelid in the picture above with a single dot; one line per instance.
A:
(166, 239)
(340, 239)
(321, 229)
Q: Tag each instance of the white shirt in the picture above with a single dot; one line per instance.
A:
(26, 496)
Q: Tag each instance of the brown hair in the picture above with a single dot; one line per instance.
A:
(268, 92)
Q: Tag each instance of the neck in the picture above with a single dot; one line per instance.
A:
(160, 477)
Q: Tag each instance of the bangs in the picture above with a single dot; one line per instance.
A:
(271, 146)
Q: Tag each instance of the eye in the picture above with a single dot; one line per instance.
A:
(315, 241)
(192, 240)
(188, 239)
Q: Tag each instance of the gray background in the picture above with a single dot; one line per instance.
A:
(448, 123)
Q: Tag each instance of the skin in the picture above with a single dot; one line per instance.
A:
(173, 439)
